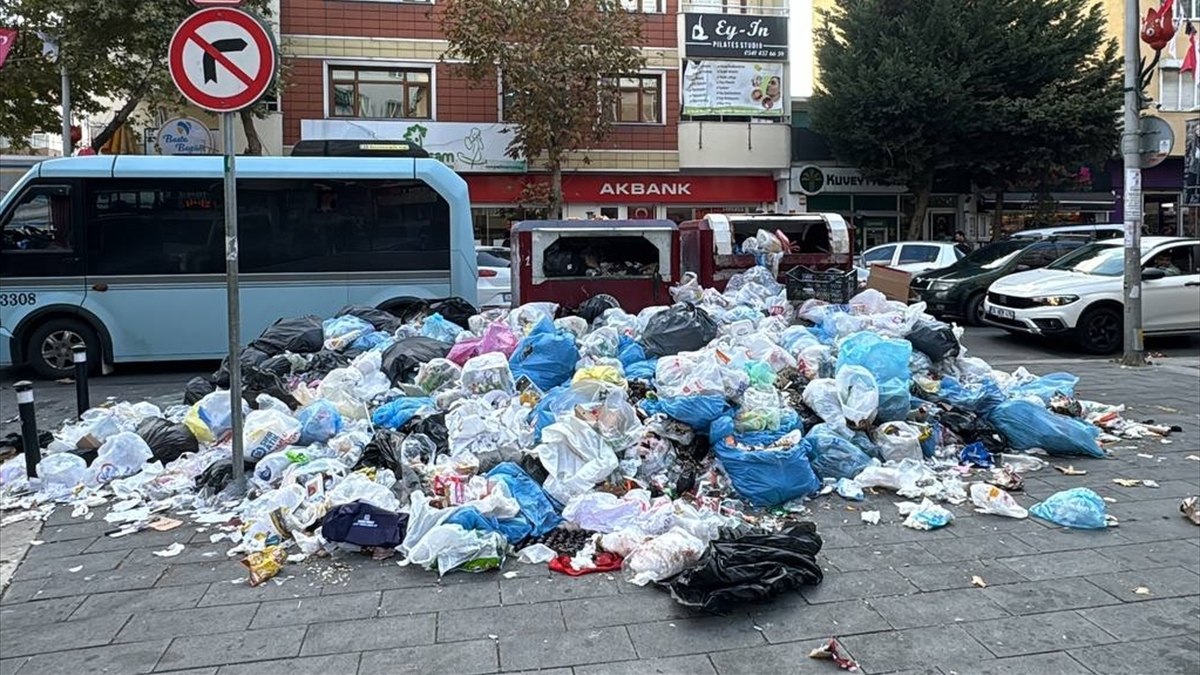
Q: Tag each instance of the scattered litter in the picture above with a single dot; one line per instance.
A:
(1145, 456)
(1190, 508)
(264, 564)
(510, 575)
(1194, 458)
(977, 580)
(833, 651)
(869, 517)
(1070, 470)
(991, 499)
(1141, 590)
(1132, 482)
(75, 569)
(928, 516)
(164, 524)
(36, 542)
(1076, 508)
(170, 551)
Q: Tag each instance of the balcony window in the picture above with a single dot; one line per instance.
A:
(380, 93)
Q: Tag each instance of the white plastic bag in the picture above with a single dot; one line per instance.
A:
(858, 394)
(211, 418)
(663, 557)
(991, 499)
(575, 456)
(450, 547)
(61, 471)
(121, 455)
(688, 374)
(602, 511)
(897, 441)
(340, 387)
(487, 372)
(358, 488)
(822, 396)
(268, 431)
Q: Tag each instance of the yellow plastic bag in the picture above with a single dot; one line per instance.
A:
(594, 379)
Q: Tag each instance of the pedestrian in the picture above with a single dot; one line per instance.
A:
(961, 243)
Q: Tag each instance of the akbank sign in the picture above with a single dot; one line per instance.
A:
(814, 179)
(463, 146)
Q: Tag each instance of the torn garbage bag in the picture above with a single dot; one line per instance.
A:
(764, 470)
(546, 356)
(680, 328)
(576, 458)
(449, 547)
(1026, 425)
(362, 524)
(402, 360)
(752, 567)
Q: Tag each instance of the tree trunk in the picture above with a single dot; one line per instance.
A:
(554, 205)
(998, 214)
(115, 123)
(253, 142)
(917, 224)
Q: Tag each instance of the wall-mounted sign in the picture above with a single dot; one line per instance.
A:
(732, 88)
(462, 146)
(185, 136)
(736, 36)
(814, 179)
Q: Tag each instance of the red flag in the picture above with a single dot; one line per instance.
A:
(8, 38)
(1189, 59)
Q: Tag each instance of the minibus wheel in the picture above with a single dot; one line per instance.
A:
(50, 350)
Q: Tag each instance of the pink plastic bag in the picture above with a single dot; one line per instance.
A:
(497, 337)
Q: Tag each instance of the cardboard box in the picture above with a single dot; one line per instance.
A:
(893, 283)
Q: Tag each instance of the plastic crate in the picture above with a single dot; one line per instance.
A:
(832, 286)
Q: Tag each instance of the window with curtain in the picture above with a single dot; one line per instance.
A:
(1178, 89)
(380, 93)
(639, 100)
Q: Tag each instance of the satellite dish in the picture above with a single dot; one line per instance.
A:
(1155, 140)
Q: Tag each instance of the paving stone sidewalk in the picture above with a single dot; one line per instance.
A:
(1056, 601)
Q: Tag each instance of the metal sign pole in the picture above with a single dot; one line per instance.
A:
(1133, 355)
(233, 300)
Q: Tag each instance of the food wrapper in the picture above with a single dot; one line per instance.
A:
(265, 564)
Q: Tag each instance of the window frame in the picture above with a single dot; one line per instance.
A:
(42, 263)
(1172, 68)
(429, 68)
(661, 108)
(882, 261)
(660, 7)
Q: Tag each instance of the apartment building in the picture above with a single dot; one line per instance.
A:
(703, 127)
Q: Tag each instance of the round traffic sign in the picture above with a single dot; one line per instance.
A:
(222, 59)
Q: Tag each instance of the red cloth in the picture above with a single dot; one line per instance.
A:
(605, 562)
(1189, 59)
(8, 38)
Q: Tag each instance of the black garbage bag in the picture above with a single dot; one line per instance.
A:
(300, 335)
(433, 426)
(324, 362)
(681, 328)
(750, 568)
(455, 310)
(249, 358)
(15, 441)
(595, 307)
(972, 428)
(383, 451)
(361, 524)
(196, 389)
(166, 439)
(277, 365)
(256, 381)
(402, 360)
(935, 340)
(380, 319)
(216, 477)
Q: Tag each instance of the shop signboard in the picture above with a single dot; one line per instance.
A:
(588, 188)
(733, 88)
(184, 136)
(736, 36)
(814, 179)
(463, 146)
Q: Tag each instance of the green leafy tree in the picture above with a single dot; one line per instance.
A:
(559, 60)
(1011, 92)
(114, 50)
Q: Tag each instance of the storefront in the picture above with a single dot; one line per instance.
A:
(496, 200)
(1162, 200)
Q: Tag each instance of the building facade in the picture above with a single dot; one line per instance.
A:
(684, 143)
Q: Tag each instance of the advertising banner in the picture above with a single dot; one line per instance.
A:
(733, 88)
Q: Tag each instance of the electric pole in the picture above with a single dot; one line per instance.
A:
(1134, 354)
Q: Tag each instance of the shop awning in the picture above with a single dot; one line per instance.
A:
(1080, 201)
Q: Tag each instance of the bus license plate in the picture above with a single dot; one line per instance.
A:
(1002, 313)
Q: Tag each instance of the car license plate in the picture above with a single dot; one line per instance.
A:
(1002, 313)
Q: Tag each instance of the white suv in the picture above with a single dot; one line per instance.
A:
(1081, 294)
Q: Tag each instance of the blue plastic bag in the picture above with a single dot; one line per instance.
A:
(346, 325)
(396, 413)
(929, 442)
(833, 456)
(536, 506)
(629, 351)
(975, 454)
(887, 359)
(698, 412)
(555, 402)
(546, 356)
(980, 398)
(438, 328)
(320, 421)
(796, 338)
(1045, 387)
(371, 341)
(1078, 507)
(642, 370)
(894, 401)
(1026, 425)
(763, 477)
(512, 529)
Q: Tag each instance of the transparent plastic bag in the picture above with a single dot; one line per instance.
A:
(437, 327)
(688, 374)
(594, 381)
(615, 419)
(897, 441)
(340, 332)
(439, 375)
(121, 455)
(450, 547)
(341, 388)
(576, 326)
(211, 417)
(319, 422)
(603, 512)
(602, 343)
(822, 396)
(487, 372)
(268, 431)
(61, 471)
(663, 557)
(575, 456)
(834, 456)
(991, 499)
(688, 290)
(356, 487)
(858, 394)
(1078, 508)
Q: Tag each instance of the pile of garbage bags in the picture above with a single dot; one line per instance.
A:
(679, 445)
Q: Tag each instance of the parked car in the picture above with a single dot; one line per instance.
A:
(958, 290)
(1097, 231)
(1081, 294)
(912, 257)
(495, 276)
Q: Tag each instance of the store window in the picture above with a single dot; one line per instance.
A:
(380, 93)
(1160, 215)
(1177, 89)
(639, 100)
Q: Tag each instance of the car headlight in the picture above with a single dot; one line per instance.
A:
(1054, 300)
(941, 285)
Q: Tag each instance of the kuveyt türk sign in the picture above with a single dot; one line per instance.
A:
(736, 36)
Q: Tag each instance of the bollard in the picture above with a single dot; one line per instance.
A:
(82, 400)
(29, 432)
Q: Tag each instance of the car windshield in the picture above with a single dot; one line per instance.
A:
(1104, 260)
(994, 256)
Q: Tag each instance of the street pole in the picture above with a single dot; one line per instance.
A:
(1134, 353)
(66, 107)
(233, 300)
